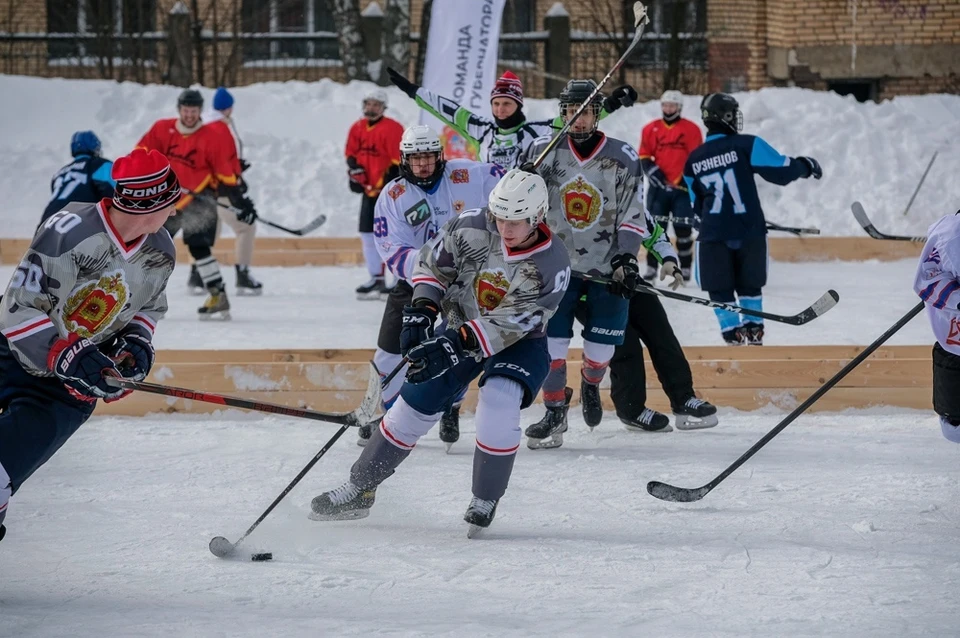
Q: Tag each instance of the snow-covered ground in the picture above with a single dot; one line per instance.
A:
(316, 308)
(844, 525)
(294, 134)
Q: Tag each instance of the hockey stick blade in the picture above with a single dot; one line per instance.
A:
(861, 216)
(674, 494)
(299, 232)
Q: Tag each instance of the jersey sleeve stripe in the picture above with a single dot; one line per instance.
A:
(430, 281)
(27, 328)
(949, 289)
(926, 292)
(481, 337)
(634, 229)
(143, 320)
(398, 260)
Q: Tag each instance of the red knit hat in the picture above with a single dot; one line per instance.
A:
(145, 182)
(509, 85)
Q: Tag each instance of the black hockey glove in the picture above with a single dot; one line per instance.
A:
(813, 167)
(528, 167)
(626, 275)
(435, 356)
(417, 326)
(656, 178)
(244, 165)
(246, 212)
(403, 83)
(133, 354)
(81, 366)
(357, 175)
(624, 95)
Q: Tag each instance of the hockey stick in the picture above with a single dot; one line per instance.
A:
(666, 492)
(864, 221)
(920, 184)
(299, 232)
(664, 219)
(640, 20)
(819, 307)
(222, 548)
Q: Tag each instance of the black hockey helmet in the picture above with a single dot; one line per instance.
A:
(722, 111)
(190, 97)
(578, 92)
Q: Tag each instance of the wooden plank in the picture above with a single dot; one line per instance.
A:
(862, 248)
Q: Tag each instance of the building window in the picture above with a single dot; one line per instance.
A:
(309, 23)
(110, 21)
(519, 16)
(686, 18)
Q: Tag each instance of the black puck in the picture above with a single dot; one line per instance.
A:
(262, 557)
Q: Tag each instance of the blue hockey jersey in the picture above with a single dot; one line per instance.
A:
(85, 179)
(719, 177)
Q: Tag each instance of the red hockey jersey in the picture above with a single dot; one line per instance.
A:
(668, 145)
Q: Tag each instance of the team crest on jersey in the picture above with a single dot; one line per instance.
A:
(460, 176)
(491, 287)
(92, 308)
(396, 191)
(418, 213)
(581, 203)
(458, 206)
(953, 337)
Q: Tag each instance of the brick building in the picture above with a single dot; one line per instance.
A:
(872, 48)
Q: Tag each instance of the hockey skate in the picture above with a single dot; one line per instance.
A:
(450, 427)
(217, 306)
(246, 284)
(590, 403)
(695, 414)
(734, 337)
(345, 503)
(479, 515)
(752, 333)
(372, 290)
(648, 421)
(195, 283)
(364, 432)
(548, 432)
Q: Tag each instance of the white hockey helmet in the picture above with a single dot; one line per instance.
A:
(672, 97)
(519, 195)
(420, 138)
(376, 95)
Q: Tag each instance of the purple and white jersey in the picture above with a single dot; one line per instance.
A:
(502, 295)
(406, 216)
(938, 281)
(79, 278)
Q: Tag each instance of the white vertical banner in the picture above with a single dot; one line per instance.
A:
(461, 63)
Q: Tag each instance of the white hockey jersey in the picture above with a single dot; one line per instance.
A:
(938, 281)
(406, 216)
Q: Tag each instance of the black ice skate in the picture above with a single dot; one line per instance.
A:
(734, 337)
(246, 284)
(217, 306)
(194, 283)
(752, 333)
(648, 421)
(479, 515)
(345, 503)
(548, 432)
(450, 427)
(695, 414)
(590, 403)
(373, 289)
(364, 432)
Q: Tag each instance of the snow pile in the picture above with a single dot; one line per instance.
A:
(294, 133)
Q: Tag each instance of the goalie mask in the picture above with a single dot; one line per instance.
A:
(418, 144)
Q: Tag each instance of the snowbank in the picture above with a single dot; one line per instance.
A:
(294, 134)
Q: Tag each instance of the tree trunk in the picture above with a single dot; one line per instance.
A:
(396, 37)
(346, 15)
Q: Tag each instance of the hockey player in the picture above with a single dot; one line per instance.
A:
(221, 118)
(732, 241)
(206, 165)
(665, 145)
(938, 284)
(82, 305)
(507, 136)
(498, 275)
(373, 159)
(413, 208)
(596, 210)
(85, 179)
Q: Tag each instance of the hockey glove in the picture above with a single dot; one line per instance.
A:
(624, 95)
(81, 366)
(417, 326)
(357, 175)
(626, 275)
(244, 165)
(403, 83)
(813, 167)
(133, 353)
(246, 212)
(656, 178)
(435, 356)
(670, 269)
(528, 167)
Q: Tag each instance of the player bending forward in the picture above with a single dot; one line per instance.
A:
(415, 206)
(498, 274)
(938, 284)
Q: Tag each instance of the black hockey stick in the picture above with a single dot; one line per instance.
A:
(223, 548)
(819, 307)
(923, 178)
(666, 492)
(864, 221)
(319, 221)
(640, 20)
(664, 219)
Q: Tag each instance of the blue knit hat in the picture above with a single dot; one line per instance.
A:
(222, 99)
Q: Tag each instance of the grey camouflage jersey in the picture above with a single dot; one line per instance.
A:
(79, 278)
(500, 294)
(596, 204)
